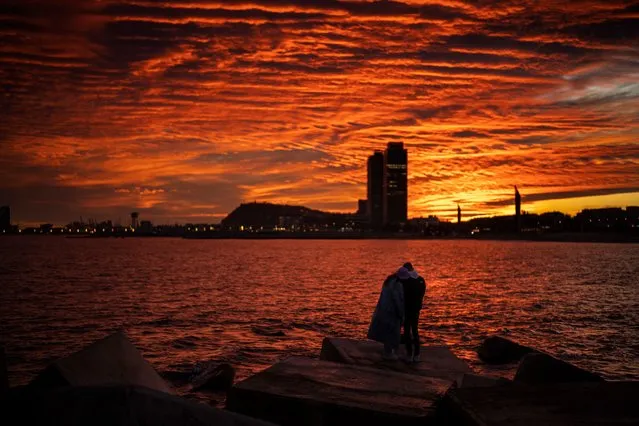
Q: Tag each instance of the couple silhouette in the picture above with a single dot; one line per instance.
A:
(400, 303)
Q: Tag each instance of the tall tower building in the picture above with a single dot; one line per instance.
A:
(517, 210)
(395, 184)
(458, 214)
(376, 194)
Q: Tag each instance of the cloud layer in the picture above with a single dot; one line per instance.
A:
(183, 109)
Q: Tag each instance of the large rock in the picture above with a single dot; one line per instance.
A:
(604, 403)
(478, 381)
(4, 374)
(543, 368)
(214, 377)
(113, 405)
(301, 391)
(436, 361)
(499, 350)
(112, 360)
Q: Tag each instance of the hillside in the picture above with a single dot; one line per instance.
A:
(270, 215)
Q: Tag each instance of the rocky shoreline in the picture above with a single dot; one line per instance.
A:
(110, 383)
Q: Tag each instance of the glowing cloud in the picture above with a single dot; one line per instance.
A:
(183, 109)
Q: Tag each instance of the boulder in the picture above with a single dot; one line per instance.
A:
(543, 368)
(303, 391)
(112, 360)
(113, 405)
(477, 381)
(4, 374)
(436, 361)
(559, 404)
(499, 350)
(215, 377)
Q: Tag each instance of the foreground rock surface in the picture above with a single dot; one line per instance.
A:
(477, 381)
(543, 368)
(112, 360)
(605, 403)
(301, 391)
(113, 405)
(436, 361)
(4, 374)
(499, 350)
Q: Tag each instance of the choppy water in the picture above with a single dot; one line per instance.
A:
(183, 301)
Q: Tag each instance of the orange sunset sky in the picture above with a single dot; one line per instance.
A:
(183, 109)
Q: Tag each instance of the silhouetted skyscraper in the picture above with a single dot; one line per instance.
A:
(375, 188)
(458, 214)
(134, 220)
(396, 184)
(517, 210)
(362, 208)
(5, 218)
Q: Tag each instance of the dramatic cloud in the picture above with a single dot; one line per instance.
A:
(183, 109)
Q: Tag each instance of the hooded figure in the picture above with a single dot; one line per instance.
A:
(387, 319)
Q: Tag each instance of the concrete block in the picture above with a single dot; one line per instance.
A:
(477, 381)
(543, 368)
(302, 391)
(499, 350)
(113, 405)
(436, 361)
(112, 360)
(588, 403)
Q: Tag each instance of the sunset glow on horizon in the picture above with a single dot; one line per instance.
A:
(182, 110)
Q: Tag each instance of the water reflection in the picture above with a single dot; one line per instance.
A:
(251, 303)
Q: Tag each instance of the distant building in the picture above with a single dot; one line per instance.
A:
(46, 228)
(375, 190)
(458, 214)
(602, 220)
(552, 221)
(396, 184)
(425, 225)
(5, 218)
(146, 227)
(632, 213)
(290, 223)
(134, 220)
(517, 210)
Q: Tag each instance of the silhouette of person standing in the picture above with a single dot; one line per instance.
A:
(414, 291)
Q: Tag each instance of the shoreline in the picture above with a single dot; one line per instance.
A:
(563, 237)
(556, 237)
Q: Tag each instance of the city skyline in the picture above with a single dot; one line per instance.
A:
(182, 110)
